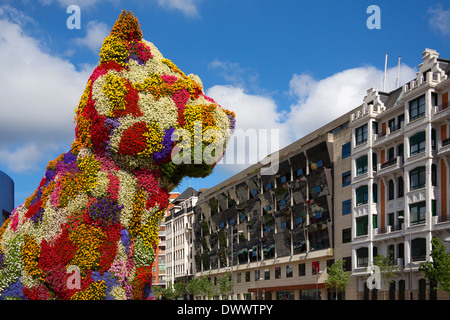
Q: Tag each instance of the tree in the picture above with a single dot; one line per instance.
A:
(169, 291)
(338, 279)
(438, 271)
(207, 288)
(180, 289)
(388, 270)
(224, 284)
(158, 291)
(193, 287)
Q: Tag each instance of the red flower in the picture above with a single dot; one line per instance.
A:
(133, 140)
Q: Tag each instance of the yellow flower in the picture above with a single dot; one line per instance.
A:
(30, 256)
(154, 138)
(114, 49)
(89, 167)
(95, 291)
(116, 91)
(88, 239)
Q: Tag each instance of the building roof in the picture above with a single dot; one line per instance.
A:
(186, 194)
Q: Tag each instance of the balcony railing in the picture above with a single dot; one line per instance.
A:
(445, 142)
(388, 163)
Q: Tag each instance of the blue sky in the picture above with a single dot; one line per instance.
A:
(286, 65)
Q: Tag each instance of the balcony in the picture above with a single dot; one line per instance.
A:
(390, 166)
(440, 112)
(444, 149)
(392, 133)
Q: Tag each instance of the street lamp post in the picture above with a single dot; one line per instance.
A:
(410, 258)
(258, 272)
(232, 253)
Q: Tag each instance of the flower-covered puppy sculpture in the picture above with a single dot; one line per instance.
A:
(90, 230)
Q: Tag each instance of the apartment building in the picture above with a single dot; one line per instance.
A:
(371, 182)
(400, 177)
(159, 264)
(179, 257)
(276, 234)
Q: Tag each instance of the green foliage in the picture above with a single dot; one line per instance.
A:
(338, 279)
(438, 271)
(388, 270)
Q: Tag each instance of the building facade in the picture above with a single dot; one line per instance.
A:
(179, 257)
(159, 264)
(6, 196)
(400, 170)
(371, 182)
(276, 234)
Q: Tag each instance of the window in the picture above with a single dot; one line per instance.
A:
(267, 274)
(417, 143)
(362, 257)
(361, 135)
(391, 189)
(391, 218)
(346, 178)
(417, 178)
(391, 125)
(417, 212)
(277, 272)
(361, 226)
(301, 269)
(400, 187)
(433, 139)
(400, 152)
(315, 267)
(346, 235)
(418, 249)
(391, 154)
(417, 108)
(257, 275)
(362, 195)
(289, 271)
(375, 193)
(247, 276)
(433, 175)
(346, 207)
(361, 165)
(346, 150)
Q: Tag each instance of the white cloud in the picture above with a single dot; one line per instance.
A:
(257, 119)
(234, 74)
(317, 103)
(95, 34)
(38, 95)
(187, 7)
(439, 19)
(81, 3)
(24, 158)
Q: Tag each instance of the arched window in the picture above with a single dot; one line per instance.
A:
(422, 289)
(401, 290)
(392, 290)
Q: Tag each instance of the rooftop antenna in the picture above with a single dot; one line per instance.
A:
(398, 71)
(385, 70)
